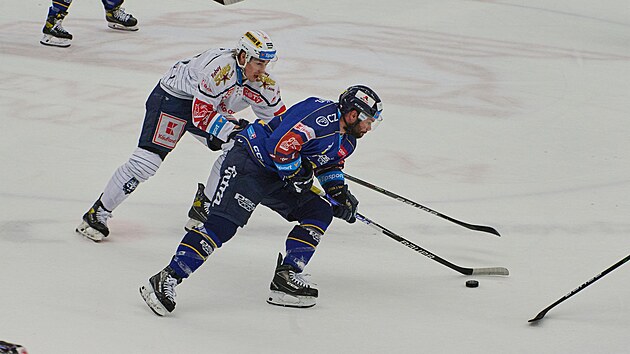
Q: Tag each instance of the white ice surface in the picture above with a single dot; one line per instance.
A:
(507, 113)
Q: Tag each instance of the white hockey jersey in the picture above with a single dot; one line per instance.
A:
(215, 84)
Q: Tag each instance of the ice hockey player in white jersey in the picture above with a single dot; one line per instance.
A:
(199, 95)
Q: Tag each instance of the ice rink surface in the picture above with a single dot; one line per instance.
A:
(507, 113)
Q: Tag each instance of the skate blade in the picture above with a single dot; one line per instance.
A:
(282, 299)
(193, 224)
(120, 27)
(54, 41)
(148, 295)
(89, 232)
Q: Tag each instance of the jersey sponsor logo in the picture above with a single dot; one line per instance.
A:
(323, 159)
(291, 166)
(169, 130)
(290, 142)
(342, 152)
(217, 125)
(252, 95)
(324, 121)
(245, 203)
(223, 75)
(308, 131)
(224, 108)
(251, 133)
(267, 82)
(257, 153)
(330, 176)
(253, 39)
(202, 114)
(228, 174)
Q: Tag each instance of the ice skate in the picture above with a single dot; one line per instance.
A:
(289, 288)
(198, 212)
(159, 292)
(118, 19)
(11, 348)
(54, 33)
(94, 225)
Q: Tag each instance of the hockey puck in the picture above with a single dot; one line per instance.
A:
(472, 284)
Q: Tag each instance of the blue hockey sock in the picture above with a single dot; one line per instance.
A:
(110, 4)
(196, 246)
(59, 6)
(301, 244)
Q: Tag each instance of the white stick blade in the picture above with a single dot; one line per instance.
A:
(491, 271)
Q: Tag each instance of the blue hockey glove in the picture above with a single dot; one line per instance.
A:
(302, 181)
(347, 207)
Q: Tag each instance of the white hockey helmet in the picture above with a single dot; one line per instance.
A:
(257, 44)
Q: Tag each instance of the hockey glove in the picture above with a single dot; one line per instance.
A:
(302, 181)
(347, 207)
(215, 144)
(241, 124)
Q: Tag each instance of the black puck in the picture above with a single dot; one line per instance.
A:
(472, 284)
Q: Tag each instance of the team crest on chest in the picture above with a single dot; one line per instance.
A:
(222, 74)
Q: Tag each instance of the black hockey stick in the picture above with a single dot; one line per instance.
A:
(481, 228)
(422, 251)
(542, 313)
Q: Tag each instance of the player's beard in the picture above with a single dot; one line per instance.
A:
(355, 131)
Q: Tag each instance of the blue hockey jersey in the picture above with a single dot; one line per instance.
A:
(309, 130)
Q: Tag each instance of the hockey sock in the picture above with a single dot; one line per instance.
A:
(140, 167)
(198, 244)
(110, 4)
(301, 244)
(59, 6)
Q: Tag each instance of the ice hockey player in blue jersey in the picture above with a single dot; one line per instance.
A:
(274, 164)
(55, 35)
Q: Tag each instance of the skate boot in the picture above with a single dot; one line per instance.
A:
(10, 348)
(94, 225)
(54, 33)
(159, 293)
(289, 288)
(118, 19)
(198, 212)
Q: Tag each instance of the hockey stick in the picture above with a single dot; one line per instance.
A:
(542, 313)
(227, 2)
(482, 228)
(422, 251)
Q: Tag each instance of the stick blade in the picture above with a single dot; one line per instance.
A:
(490, 230)
(491, 271)
(227, 2)
(538, 317)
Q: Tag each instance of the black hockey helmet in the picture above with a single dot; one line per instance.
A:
(365, 101)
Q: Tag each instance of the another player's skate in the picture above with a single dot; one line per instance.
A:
(159, 292)
(10, 348)
(54, 33)
(118, 19)
(198, 212)
(289, 288)
(94, 225)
